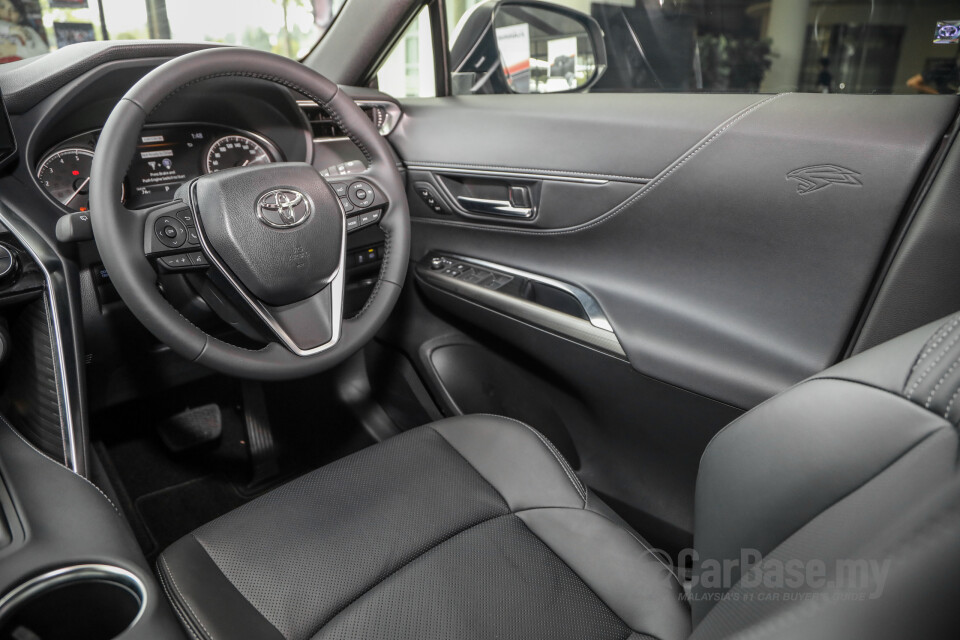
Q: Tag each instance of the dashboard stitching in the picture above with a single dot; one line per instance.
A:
(637, 195)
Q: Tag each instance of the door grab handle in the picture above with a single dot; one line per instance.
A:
(494, 207)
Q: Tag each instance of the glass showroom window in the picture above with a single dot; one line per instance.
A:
(747, 46)
(287, 27)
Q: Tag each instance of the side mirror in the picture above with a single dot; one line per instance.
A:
(526, 46)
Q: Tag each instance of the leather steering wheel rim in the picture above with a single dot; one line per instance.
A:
(119, 232)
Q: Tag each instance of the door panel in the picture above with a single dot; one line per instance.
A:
(739, 268)
(613, 137)
(730, 242)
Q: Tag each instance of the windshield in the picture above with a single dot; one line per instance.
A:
(287, 27)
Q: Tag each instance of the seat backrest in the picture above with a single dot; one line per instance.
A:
(810, 474)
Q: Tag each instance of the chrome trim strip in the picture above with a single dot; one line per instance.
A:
(511, 174)
(70, 455)
(334, 139)
(557, 323)
(77, 573)
(336, 294)
(487, 207)
(590, 306)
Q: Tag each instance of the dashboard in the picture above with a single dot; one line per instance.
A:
(167, 156)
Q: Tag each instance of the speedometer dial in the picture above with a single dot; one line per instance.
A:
(235, 151)
(65, 175)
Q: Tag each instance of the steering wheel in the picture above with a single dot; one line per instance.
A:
(272, 237)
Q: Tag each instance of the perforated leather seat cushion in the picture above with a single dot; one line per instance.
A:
(473, 527)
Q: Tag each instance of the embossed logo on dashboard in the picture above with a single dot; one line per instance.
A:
(283, 208)
(820, 176)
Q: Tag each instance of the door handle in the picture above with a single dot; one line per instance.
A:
(494, 207)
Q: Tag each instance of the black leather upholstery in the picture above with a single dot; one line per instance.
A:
(918, 598)
(470, 527)
(817, 471)
(475, 527)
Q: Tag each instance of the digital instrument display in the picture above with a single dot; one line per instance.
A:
(166, 156)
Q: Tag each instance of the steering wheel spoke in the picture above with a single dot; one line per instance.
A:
(305, 327)
(312, 325)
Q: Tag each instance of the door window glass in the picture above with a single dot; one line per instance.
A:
(748, 46)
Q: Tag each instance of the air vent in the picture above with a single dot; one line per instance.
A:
(383, 114)
(322, 124)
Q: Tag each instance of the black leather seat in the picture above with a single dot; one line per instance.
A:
(469, 527)
(475, 527)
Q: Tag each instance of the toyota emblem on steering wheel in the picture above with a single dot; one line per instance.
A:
(283, 208)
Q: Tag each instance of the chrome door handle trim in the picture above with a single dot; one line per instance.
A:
(494, 207)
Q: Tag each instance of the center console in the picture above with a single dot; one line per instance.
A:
(70, 566)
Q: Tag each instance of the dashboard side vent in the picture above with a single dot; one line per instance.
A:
(383, 114)
(322, 124)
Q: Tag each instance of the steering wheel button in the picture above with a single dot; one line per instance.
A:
(347, 205)
(178, 261)
(192, 236)
(361, 194)
(353, 223)
(170, 232)
(340, 188)
(185, 216)
(197, 259)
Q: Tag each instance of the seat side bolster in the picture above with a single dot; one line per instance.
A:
(891, 365)
(516, 460)
(618, 566)
(767, 474)
(191, 577)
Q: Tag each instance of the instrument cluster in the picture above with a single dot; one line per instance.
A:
(166, 157)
